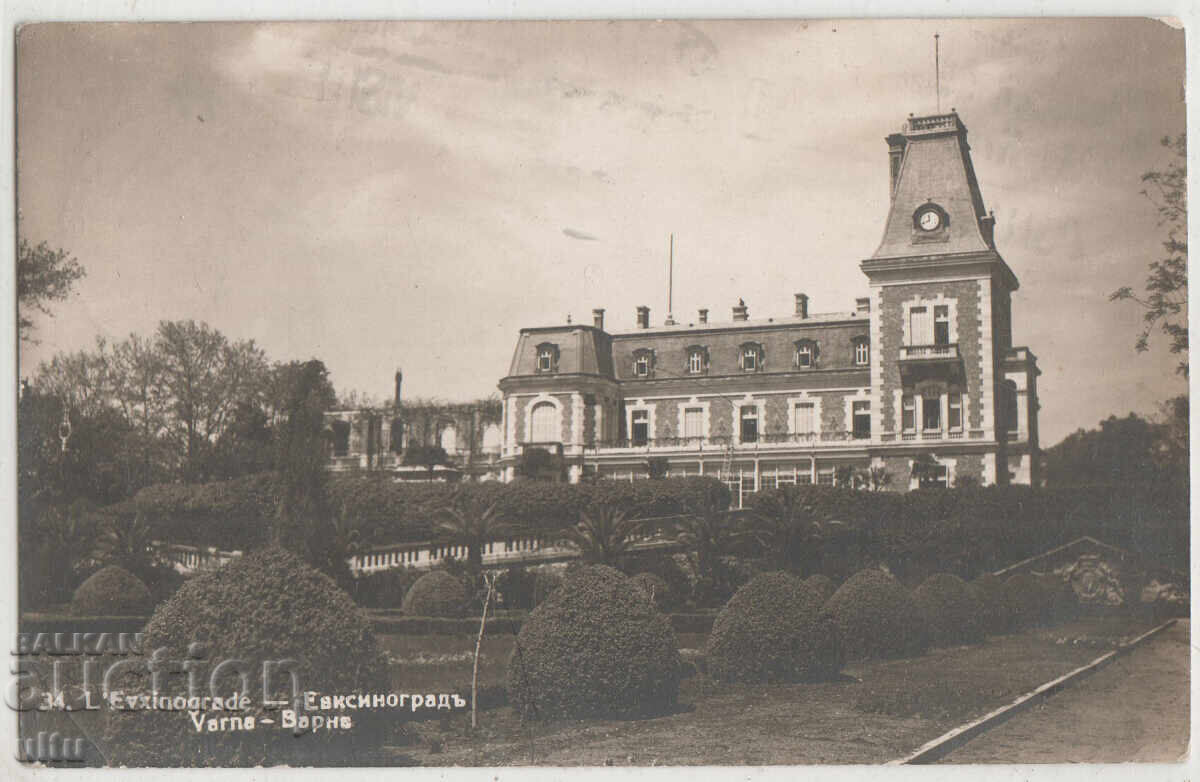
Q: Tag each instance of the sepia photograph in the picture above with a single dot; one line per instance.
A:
(607, 393)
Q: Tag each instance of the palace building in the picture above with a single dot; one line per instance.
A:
(919, 383)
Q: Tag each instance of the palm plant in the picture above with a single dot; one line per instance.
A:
(127, 540)
(707, 530)
(470, 520)
(783, 530)
(604, 533)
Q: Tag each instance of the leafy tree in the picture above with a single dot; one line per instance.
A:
(43, 276)
(541, 465)
(604, 533)
(206, 376)
(657, 467)
(427, 456)
(879, 478)
(708, 531)
(1166, 295)
(1123, 451)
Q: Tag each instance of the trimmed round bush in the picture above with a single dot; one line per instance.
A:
(1028, 600)
(774, 629)
(596, 647)
(436, 593)
(268, 605)
(877, 617)
(823, 584)
(953, 614)
(989, 591)
(112, 591)
(656, 588)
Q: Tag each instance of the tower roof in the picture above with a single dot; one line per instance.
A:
(935, 170)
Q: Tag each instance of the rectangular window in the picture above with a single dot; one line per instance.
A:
(641, 427)
(862, 353)
(941, 325)
(908, 413)
(931, 414)
(749, 427)
(955, 412)
(545, 361)
(693, 422)
(920, 327)
(641, 366)
(696, 362)
(804, 356)
(862, 420)
(825, 477)
(804, 478)
(750, 360)
(803, 421)
(934, 477)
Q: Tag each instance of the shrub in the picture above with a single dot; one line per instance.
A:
(516, 586)
(951, 612)
(1063, 602)
(655, 588)
(437, 593)
(989, 591)
(595, 647)
(822, 584)
(774, 629)
(1028, 600)
(267, 605)
(877, 617)
(112, 591)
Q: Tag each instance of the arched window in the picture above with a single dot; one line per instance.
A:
(547, 357)
(543, 424)
(751, 357)
(643, 363)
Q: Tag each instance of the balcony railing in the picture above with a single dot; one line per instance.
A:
(925, 352)
(765, 440)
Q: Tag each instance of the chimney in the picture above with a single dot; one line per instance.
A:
(643, 317)
(598, 318)
(896, 144)
(862, 306)
(801, 305)
(704, 316)
(741, 311)
(399, 378)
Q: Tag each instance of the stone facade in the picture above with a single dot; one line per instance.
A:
(923, 366)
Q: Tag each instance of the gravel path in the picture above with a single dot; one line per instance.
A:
(1134, 710)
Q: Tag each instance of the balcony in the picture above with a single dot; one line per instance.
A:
(920, 362)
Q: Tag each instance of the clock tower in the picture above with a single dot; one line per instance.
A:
(944, 372)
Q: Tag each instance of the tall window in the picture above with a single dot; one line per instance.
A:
(862, 419)
(641, 427)
(543, 427)
(803, 421)
(695, 361)
(693, 422)
(749, 428)
(643, 362)
(547, 357)
(908, 413)
(862, 352)
(806, 354)
(931, 414)
(752, 357)
(954, 409)
(941, 325)
(920, 327)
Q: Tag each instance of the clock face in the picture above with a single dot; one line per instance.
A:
(929, 220)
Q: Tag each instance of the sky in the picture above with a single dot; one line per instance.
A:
(383, 195)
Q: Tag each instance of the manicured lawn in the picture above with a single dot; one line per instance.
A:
(879, 711)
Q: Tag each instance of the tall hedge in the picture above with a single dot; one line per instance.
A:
(774, 629)
(876, 616)
(596, 647)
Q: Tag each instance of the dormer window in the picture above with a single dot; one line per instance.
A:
(643, 363)
(806, 354)
(547, 357)
(751, 357)
(862, 351)
(697, 360)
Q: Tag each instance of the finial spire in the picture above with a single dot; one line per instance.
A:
(937, 71)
